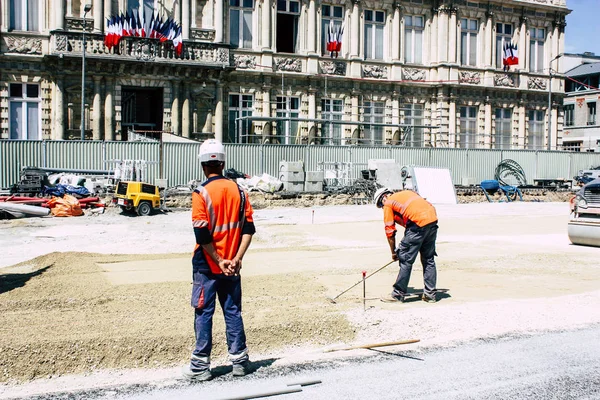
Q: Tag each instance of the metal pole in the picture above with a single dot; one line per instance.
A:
(550, 109)
(83, 78)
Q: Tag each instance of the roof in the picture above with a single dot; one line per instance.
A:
(584, 69)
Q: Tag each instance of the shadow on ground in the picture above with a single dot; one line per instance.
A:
(10, 282)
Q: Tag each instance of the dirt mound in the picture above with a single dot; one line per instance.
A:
(60, 314)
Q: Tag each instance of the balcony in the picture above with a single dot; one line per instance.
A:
(140, 49)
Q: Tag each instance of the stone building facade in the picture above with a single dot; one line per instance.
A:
(410, 72)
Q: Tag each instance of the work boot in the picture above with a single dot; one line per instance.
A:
(241, 369)
(428, 299)
(392, 298)
(196, 376)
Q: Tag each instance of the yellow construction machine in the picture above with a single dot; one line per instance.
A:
(143, 198)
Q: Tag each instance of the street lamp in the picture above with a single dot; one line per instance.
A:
(86, 9)
(550, 102)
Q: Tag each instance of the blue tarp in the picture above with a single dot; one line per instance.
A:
(61, 190)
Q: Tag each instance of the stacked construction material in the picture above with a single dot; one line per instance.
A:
(291, 174)
(314, 181)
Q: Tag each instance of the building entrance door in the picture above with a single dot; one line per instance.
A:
(142, 111)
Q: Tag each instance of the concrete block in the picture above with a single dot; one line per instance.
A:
(293, 186)
(297, 166)
(313, 186)
(291, 176)
(315, 176)
(388, 175)
(373, 163)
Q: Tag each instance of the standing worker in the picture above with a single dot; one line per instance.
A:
(223, 226)
(419, 219)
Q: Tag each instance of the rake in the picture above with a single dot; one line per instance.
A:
(333, 300)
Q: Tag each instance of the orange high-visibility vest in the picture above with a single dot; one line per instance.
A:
(216, 205)
(405, 206)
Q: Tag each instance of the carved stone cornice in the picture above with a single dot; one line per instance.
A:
(333, 67)
(202, 34)
(242, 61)
(505, 80)
(472, 77)
(287, 64)
(413, 74)
(374, 71)
(536, 83)
(23, 44)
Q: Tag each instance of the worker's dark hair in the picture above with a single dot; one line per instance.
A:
(213, 167)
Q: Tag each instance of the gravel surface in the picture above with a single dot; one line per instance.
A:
(560, 365)
(111, 301)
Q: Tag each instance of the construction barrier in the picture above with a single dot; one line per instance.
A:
(178, 162)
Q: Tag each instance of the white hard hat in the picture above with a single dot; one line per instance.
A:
(379, 196)
(212, 150)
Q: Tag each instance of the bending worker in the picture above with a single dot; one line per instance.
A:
(223, 225)
(419, 219)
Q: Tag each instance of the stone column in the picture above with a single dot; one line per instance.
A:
(312, 27)
(59, 15)
(97, 110)
(451, 121)
(219, 21)
(69, 8)
(488, 124)
(108, 10)
(266, 25)
(185, 19)
(312, 113)
(554, 129)
(266, 112)
(395, 114)
(194, 13)
(185, 113)
(489, 40)
(219, 113)
(98, 11)
(522, 125)
(442, 35)
(523, 48)
(354, 114)
(355, 30)
(109, 110)
(555, 45)
(59, 110)
(433, 53)
(175, 108)
(395, 40)
(452, 36)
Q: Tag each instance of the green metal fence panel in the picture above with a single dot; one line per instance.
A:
(181, 165)
(553, 165)
(15, 154)
(74, 155)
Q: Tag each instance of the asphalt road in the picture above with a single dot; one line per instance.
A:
(563, 365)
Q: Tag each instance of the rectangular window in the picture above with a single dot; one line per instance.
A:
(374, 26)
(24, 110)
(288, 131)
(240, 23)
(288, 15)
(24, 15)
(413, 38)
(591, 120)
(536, 49)
(468, 43)
(503, 36)
(240, 105)
(468, 128)
(332, 110)
(569, 114)
(373, 113)
(503, 134)
(535, 137)
(330, 16)
(413, 116)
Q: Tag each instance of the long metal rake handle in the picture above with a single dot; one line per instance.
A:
(359, 282)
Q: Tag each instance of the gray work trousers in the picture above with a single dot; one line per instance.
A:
(417, 240)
